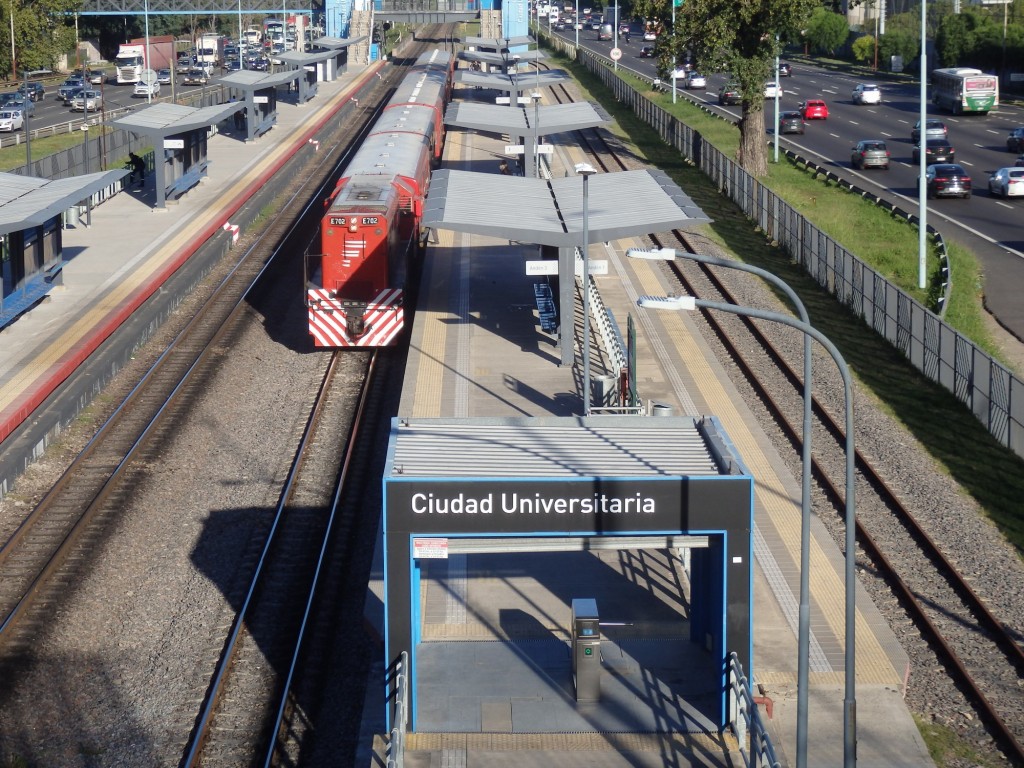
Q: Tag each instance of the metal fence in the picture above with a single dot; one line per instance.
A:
(992, 393)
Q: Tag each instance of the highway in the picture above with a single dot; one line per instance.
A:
(987, 225)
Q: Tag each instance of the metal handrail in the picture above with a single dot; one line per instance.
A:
(745, 720)
(399, 712)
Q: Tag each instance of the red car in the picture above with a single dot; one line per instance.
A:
(814, 109)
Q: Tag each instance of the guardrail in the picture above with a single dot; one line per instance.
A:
(398, 697)
(745, 720)
(941, 353)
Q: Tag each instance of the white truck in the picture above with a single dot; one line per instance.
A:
(129, 63)
(209, 52)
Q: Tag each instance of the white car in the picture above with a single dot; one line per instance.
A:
(696, 81)
(11, 120)
(141, 89)
(650, 36)
(1006, 182)
(867, 93)
(772, 89)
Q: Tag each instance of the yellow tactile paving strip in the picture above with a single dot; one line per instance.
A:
(572, 742)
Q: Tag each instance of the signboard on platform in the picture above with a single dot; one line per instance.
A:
(260, 99)
(550, 267)
(430, 549)
(174, 143)
(519, 149)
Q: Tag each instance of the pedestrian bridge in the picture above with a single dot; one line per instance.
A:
(406, 11)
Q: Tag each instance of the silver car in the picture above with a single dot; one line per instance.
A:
(87, 101)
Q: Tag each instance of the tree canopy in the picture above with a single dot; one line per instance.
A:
(741, 37)
(826, 30)
(41, 34)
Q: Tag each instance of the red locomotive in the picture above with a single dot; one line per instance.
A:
(355, 288)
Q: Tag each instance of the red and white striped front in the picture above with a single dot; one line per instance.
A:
(383, 320)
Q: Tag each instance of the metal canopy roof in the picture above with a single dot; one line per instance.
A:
(608, 446)
(551, 118)
(168, 119)
(249, 80)
(493, 57)
(28, 201)
(337, 42)
(502, 82)
(300, 58)
(498, 43)
(624, 204)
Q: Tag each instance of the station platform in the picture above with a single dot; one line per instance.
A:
(494, 677)
(130, 248)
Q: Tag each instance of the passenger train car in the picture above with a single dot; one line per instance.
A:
(355, 287)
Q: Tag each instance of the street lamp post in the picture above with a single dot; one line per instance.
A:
(586, 170)
(922, 181)
(804, 633)
(850, 701)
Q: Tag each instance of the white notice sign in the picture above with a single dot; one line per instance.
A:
(260, 99)
(430, 549)
(174, 143)
(596, 266)
(514, 149)
(549, 267)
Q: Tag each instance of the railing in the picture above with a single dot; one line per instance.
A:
(745, 720)
(398, 696)
(993, 394)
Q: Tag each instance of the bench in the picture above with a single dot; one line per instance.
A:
(185, 182)
(546, 307)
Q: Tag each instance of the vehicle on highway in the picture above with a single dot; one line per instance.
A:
(89, 76)
(11, 120)
(867, 93)
(791, 121)
(650, 36)
(870, 153)
(695, 81)
(948, 180)
(87, 101)
(772, 89)
(605, 32)
(1020, 162)
(68, 88)
(624, 28)
(785, 70)
(963, 89)
(814, 109)
(559, 26)
(18, 101)
(647, 52)
(34, 91)
(163, 76)
(142, 89)
(730, 94)
(933, 129)
(1015, 141)
(195, 76)
(596, 22)
(935, 151)
(1006, 182)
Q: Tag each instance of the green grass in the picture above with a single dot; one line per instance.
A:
(957, 441)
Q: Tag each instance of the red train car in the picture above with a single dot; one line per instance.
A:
(355, 287)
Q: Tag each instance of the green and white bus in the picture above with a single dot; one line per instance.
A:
(963, 90)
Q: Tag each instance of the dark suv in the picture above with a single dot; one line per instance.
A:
(948, 180)
(730, 94)
(935, 151)
(34, 91)
(1015, 141)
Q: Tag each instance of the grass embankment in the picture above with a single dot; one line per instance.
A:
(960, 445)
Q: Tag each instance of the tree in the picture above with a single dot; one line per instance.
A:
(741, 37)
(41, 34)
(864, 49)
(827, 31)
(898, 43)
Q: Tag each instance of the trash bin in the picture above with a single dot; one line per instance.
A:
(586, 649)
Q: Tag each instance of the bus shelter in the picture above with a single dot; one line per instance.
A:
(337, 64)
(313, 67)
(258, 97)
(31, 235)
(179, 138)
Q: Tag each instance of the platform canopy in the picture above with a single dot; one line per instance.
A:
(28, 201)
(301, 58)
(550, 212)
(493, 57)
(498, 43)
(501, 81)
(550, 118)
(162, 120)
(337, 42)
(247, 80)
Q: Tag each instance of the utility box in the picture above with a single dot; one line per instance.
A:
(586, 649)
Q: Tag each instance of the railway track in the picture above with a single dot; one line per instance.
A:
(972, 644)
(50, 550)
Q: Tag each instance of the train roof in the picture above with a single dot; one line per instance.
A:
(388, 154)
